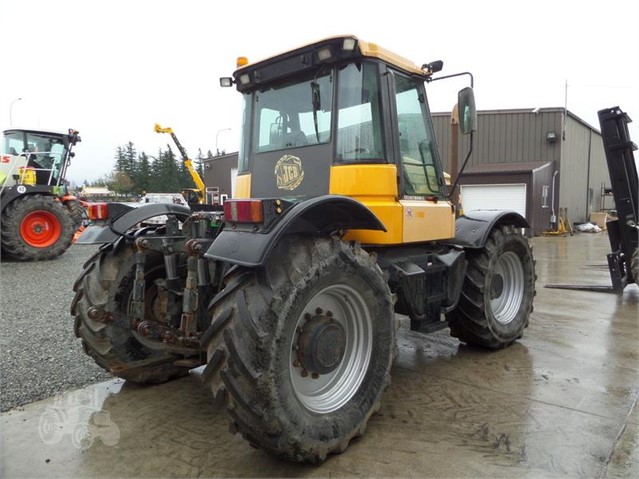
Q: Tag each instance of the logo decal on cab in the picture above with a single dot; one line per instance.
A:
(289, 172)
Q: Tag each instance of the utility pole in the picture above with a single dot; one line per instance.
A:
(11, 111)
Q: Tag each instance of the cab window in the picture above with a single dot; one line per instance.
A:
(359, 133)
(294, 115)
(420, 164)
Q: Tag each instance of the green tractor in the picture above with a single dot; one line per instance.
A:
(39, 217)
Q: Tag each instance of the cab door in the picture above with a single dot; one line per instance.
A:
(427, 215)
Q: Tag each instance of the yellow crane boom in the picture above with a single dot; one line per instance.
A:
(201, 188)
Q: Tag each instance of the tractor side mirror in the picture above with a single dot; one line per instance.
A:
(467, 111)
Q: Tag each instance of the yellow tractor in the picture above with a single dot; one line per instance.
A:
(341, 219)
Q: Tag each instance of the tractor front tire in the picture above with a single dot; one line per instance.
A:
(105, 286)
(303, 347)
(498, 291)
(35, 228)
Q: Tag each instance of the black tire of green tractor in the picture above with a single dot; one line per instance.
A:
(106, 284)
(77, 212)
(48, 210)
(323, 290)
(498, 291)
(634, 265)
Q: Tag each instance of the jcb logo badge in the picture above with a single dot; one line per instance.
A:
(289, 172)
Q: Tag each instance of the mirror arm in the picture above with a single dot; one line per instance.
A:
(472, 80)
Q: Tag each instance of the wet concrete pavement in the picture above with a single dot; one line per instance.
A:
(560, 402)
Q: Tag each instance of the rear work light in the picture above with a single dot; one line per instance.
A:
(97, 211)
(243, 211)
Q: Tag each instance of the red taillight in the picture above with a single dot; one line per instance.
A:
(97, 211)
(243, 211)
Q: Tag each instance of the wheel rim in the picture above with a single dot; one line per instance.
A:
(40, 229)
(349, 314)
(507, 287)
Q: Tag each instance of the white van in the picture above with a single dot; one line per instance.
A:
(175, 198)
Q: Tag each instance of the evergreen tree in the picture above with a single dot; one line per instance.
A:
(186, 181)
(199, 166)
(130, 160)
(156, 173)
(120, 159)
(142, 179)
(165, 173)
(125, 159)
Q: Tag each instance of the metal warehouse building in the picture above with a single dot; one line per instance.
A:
(538, 162)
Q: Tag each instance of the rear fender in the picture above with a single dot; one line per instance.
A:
(472, 229)
(319, 216)
(129, 217)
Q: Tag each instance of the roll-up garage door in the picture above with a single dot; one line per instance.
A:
(494, 197)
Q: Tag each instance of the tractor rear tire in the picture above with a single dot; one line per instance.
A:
(105, 285)
(35, 228)
(302, 348)
(498, 291)
(634, 265)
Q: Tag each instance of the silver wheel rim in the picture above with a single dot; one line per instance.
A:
(506, 306)
(324, 393)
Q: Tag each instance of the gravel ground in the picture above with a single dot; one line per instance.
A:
(39, 353)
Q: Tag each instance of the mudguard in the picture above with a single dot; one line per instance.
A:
(472, 229)
(11, 193)
(120, 224)
(321, 216)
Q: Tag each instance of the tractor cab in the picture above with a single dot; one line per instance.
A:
(36, 157)
(346, 117)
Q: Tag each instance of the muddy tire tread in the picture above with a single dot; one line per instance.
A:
(469, 321)
(634, 265)
(77, 212)
(246, 345)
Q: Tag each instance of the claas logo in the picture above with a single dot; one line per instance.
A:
(6, 159)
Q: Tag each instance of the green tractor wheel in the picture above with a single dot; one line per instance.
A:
(36, 227)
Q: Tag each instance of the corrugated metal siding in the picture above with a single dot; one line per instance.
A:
(583, 170)
(599, 174)
(573, 171)
(505, 136)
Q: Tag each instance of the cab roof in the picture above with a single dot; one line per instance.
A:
(310, 56)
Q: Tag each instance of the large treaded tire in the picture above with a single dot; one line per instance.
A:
(77, 212)
(106, 284)
(255, 328)
(634, 265)
(498, 291)
(36, 228)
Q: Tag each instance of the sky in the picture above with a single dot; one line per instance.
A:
(113, 69)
